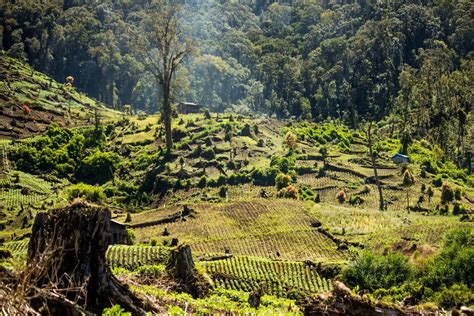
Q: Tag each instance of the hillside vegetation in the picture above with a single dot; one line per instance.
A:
(30, 101)
(261, 202)
(236, 157)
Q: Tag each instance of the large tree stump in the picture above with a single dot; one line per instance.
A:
(69, 245)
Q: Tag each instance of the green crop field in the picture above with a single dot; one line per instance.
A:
(277, 278)
(265, 228)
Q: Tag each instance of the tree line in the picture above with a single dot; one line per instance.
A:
(410, 61)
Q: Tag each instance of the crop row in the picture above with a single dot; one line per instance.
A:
(131, 257)
(274, 277)
(14, 198)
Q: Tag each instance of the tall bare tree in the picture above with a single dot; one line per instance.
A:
(161, 45)
(373, 158)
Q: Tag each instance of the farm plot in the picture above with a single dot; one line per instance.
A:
(379, 229)
(279, 278)
(13, 198)
(132, 257)
(263, 227)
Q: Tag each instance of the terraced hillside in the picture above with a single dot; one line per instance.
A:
(274, 229)
(224, 191)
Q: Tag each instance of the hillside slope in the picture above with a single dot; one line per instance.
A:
(30, 101)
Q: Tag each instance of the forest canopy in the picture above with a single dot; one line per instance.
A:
(354, 61)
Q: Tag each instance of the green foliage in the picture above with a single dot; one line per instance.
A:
(264, 177)
(370, 271)
(452, 264)
(115, 310)
(454, 296)
(150, 271)
(282, 181)
(99, 167)
(289, 192)
(86, 191)
(446, 278)
(447, 193)
(202, 182)
(131, 235)
(284, 164)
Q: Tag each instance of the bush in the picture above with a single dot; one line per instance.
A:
(458, 194)
(150, 271)
(341, 196)
(208, 154)
(202, 182)
(153, 241)
(86, 191)
(98, 167)
(284, 164)
(458, 208)
(264, 177)
(5, 253)
(116, 310)
(131, 235)
(454, 296)
(355, 200)
(290, 192)
(223, 191)
(370, 271)
(282, 181)
(447, 193)
(454, 263)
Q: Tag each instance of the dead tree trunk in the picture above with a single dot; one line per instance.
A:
(374, 166)
(77, 238)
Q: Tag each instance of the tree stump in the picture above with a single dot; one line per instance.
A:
(181, 266)
(69, 245)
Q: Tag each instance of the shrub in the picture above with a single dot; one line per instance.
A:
(115, 310)
(153, 241)
(223, 191)
(282, 181)
(458, 194)
(98, 167)
(370, 271)
(454, 296)
(356, 200)
(454, 263)
(86, 191)
(341, 196)
(290, 192)
(238, 178)
(291, 141)
(458, 208)
(306, 193)
(221, 180)
(317, 199)
(284, 164)
(131, 236)
(5, 253)
(150, 271)
(264, 177)
(202, 182)
(208, 154)
(447, 193)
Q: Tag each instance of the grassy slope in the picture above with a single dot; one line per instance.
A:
(48, 100)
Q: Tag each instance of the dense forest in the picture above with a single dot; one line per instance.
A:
(408, 61)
